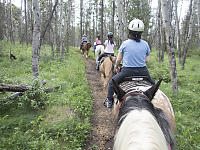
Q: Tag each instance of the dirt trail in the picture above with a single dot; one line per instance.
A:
(101, 136)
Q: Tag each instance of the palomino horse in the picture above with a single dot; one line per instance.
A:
(98, 51)
(107, 70)
(85, 49)
(145, 118)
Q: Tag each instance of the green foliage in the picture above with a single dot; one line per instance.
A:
(35, 99)
(37, 120)
(186, 102)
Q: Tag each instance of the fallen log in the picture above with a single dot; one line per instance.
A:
(22, 88)
(13, 88)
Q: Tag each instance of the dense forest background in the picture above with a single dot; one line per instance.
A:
(39, 41)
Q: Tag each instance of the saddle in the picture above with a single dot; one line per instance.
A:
(103, 58)
(136, 83)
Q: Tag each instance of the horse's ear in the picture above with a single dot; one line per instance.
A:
(150, 93)
(118, 91)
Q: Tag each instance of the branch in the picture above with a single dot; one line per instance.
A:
(50, 18)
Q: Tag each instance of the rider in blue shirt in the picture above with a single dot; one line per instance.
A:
(135, 53)
(84, 39)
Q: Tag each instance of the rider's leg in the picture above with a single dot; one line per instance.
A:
(118, 78)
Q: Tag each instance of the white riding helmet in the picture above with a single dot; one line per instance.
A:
(136, 25)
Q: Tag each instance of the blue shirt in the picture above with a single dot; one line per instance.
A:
(134, 53)
(84, 39)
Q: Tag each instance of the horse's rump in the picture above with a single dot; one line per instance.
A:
(85, 48)
(98, 51)
(107, 69)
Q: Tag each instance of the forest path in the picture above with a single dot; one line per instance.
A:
(101, 136)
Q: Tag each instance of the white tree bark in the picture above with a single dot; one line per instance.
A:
(170, 46)
(36, 39)
(199, 18)
(189, 35)
(120, 24)
(177, 31)
(122, 21)
(66, 26)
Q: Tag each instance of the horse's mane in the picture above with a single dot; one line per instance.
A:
(140, 131)
(138, 102)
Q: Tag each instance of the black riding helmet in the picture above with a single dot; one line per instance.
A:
(110, 35)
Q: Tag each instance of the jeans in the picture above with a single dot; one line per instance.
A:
(127, 72)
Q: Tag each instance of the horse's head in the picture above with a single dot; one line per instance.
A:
(130, 100)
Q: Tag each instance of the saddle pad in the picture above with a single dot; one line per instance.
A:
(134, 85)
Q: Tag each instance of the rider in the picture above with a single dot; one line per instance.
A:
(135, 53)
(97, 42)
(84, 39)
(109, 50)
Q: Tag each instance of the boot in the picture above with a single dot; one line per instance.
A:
(108, 103)
(97, 66)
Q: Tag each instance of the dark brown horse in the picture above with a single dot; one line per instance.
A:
(85, 49)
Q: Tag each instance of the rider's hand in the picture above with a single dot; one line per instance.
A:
(117, 69)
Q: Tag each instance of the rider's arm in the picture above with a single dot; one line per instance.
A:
(119, 59)
(147, 59)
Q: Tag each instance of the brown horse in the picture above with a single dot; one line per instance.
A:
(107, 70)
(85, 49)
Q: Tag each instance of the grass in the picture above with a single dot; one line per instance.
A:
(64, 121)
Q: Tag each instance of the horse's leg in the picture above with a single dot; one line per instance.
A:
(86, 53)
(97, 54)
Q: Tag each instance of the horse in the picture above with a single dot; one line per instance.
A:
(85, 48)
(107, 70)
(98, 51)
(145, 118)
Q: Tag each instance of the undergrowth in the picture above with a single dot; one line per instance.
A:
(40, 120)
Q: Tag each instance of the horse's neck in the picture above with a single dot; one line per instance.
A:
(140, 130)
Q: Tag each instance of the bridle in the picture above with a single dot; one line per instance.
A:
(129, 93)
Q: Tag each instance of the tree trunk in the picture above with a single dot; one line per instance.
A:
(21, 23)
(29, 20)
(81, 18)
(178, 31)
(36, 39)
(13, 88)
(11, 25)
(102, 22)
(199, 19)
(119, 6)
(26, 30)
(113, 17)
(48, 23)
(68, 25)
(159, 31)
(189, 35)
(170, 46)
